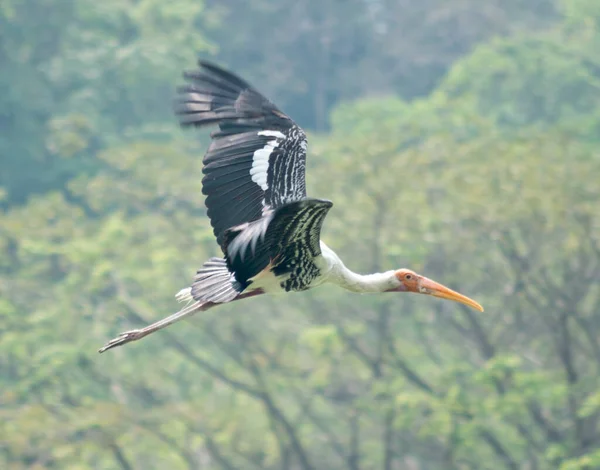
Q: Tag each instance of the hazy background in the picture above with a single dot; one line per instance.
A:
(456, 137)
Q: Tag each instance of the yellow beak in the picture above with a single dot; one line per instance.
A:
(427, 286)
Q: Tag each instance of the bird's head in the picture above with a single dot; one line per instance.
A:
(410, 281)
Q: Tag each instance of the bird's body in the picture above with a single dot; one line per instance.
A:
(267, 228)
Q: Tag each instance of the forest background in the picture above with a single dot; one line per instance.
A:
(456, 137)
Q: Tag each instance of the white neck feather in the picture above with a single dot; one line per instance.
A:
(342, 276)
(377, 282)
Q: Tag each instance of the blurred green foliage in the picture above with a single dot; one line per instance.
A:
(484, 177)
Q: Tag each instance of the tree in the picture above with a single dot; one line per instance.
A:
(72, 91)
(322, 379)
(310, 55)
(502, 209)
(543, 79)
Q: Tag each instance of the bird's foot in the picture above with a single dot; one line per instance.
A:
(122, 339)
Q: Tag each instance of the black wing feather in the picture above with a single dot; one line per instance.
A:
(287, 238)
(249, 125)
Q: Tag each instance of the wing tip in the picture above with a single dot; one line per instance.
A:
(317, 201)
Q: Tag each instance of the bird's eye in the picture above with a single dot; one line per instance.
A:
(408, 277)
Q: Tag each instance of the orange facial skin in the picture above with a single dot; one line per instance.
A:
(413, 282)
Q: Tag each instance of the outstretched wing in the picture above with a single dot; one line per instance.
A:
(256, 160)
(286, 241)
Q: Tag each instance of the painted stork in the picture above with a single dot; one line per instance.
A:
(268, 229)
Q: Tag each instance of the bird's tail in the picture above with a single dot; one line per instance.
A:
(184, 295)
(213, 283)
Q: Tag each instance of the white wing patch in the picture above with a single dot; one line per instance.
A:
(260, 165)
(250, 233)
(277, 134)
(260, 159)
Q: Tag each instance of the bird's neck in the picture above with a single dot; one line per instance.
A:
(346, 278)
(365, 283)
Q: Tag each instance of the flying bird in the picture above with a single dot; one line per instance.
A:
(268, 229)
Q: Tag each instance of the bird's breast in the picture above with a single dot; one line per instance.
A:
(293, 278)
